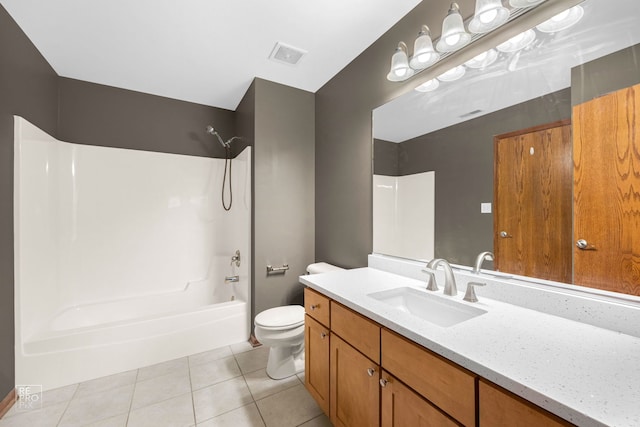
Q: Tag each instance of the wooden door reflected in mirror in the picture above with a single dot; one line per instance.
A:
(532, 199)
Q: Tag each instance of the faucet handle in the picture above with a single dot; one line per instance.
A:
(470, 294)
(431, 280)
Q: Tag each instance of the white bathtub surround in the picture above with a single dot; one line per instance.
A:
(121, 256)
(586, 374)
(403, 224)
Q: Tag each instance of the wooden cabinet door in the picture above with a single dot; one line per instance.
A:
(499, 408)
(402, 407)
(532, 199)
(355, 390)
(606, 156)
(316, 362)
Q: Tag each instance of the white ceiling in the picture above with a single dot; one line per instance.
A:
(203, 51)
(542, 69)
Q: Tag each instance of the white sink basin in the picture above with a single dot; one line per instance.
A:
(434, 309)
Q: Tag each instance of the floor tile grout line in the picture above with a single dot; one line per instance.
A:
(193, 403)
(133, 393)
(66, 408)
(255, 402)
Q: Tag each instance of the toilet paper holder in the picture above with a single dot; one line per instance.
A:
(277, 270)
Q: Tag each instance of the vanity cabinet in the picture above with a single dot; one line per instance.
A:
(344, 363)
(498, 407)
(362, 374)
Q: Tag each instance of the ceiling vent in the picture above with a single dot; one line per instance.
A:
(470, 113)
(286, 54)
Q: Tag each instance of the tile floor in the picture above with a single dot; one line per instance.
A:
(223, 387)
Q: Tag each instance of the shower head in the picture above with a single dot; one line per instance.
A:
(210, 130)
(226, 144)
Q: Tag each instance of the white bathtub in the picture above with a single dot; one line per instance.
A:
(63, 354)
(121, 256)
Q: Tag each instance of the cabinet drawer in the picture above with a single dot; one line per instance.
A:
(499, 408)
(448, 386)
(357, 330)
(317, 306)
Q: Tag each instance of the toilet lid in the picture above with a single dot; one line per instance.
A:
(288, 315)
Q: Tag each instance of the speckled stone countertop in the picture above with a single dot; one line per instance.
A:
(587, 375)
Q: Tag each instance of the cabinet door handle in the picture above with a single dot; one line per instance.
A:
(383, 382)
(371, 371)
(323, 335)
(314, 306)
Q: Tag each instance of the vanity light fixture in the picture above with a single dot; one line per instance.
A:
(400, 69)
(563, 20)
(424, 55)
(489, 14)
(453, 74)
(517, 42)
(483, 60)
(428, 86)
(524, 3)
(454, 36)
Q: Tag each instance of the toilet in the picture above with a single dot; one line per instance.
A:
(282, 329)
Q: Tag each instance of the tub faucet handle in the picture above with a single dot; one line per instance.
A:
(236, 258)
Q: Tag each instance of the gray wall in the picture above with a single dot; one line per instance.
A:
(344, 224)
(385, 157)
(28, 88)
(246, 127)
(604, 75)
(103, 115)
(283, 192)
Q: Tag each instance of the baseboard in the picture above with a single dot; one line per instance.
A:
(254, 341)
(7, 402)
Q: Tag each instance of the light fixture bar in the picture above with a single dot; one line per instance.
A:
(415, 68)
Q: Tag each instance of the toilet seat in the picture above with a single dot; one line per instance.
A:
(280, 318)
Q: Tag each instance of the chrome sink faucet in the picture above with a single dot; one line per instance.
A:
(449, 280)
(480, 259)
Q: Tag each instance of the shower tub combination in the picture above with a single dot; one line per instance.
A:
(121, 258)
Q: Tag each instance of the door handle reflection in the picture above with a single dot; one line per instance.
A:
(582, 244)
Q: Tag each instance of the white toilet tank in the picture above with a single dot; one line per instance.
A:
(322, 267)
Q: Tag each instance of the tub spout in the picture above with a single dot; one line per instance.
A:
(231, 279)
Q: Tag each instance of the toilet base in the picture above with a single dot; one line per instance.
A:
(283, 362)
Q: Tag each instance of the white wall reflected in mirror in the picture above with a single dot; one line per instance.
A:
(404, 215)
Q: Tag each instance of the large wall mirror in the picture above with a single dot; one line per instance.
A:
(456, 130)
